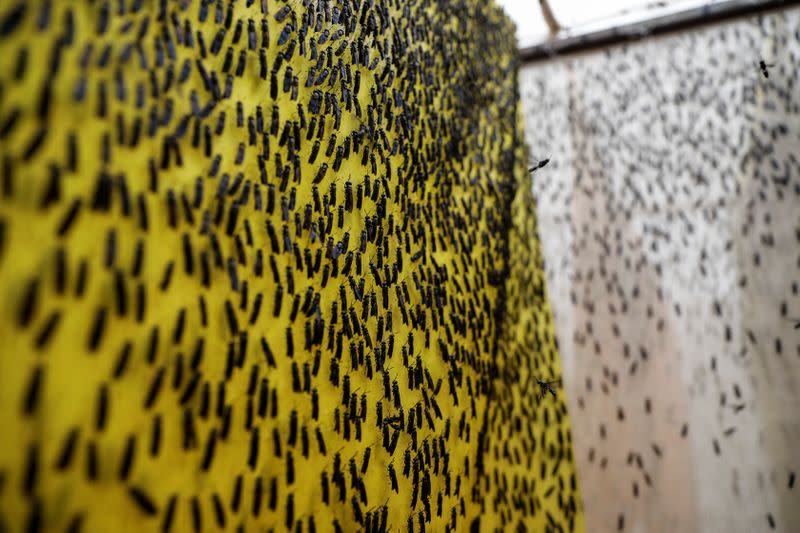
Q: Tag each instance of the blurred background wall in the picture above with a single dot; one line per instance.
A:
(670, 220)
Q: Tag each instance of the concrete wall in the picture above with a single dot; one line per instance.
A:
(670, 221)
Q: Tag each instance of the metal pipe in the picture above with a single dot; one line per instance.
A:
(625, 33)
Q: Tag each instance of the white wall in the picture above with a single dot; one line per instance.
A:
(670, 222)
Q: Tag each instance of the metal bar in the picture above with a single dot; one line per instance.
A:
(682, 20)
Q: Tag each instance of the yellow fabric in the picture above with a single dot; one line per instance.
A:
(86, 382)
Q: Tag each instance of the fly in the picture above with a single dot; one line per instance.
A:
(539, 165)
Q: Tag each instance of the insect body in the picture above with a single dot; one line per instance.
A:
(545, 387)
(539, 165)
(763, 65)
